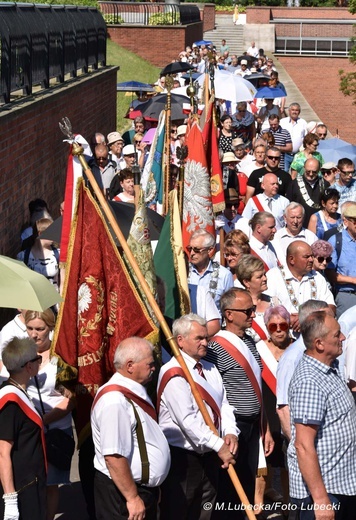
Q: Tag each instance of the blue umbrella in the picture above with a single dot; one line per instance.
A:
(269, 92)
(134, 86)
(335, 149)
(202, 42)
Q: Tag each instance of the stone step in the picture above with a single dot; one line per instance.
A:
(225, 29)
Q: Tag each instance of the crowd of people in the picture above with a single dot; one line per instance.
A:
(273, 300)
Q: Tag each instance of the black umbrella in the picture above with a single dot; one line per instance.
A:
(175, 67)
(154, 106)
(255, 78)
(124, 214)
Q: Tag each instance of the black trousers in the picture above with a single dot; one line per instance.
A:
(192, 482)
(228, 502)
(111, 504)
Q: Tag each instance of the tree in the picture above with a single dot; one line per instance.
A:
(348, 79)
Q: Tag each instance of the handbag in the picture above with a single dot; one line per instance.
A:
(59, 445)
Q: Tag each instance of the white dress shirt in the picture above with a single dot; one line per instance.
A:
(267, 252)
(113, 426)
(277, 205)
(297, 130)
(283, 238)
(179, 415)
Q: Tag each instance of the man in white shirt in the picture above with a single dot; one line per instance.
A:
(263, 227)
(269, 201)
(297, 127)
(193, 477)
(131, 453)
(293, 230)
(297, 282)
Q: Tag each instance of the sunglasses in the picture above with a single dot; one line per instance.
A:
(347, 173)
(197, 249)
(37, 358)
(248, 311)
(232, 255)
(272, 158)
(273, 327)
(322, 258)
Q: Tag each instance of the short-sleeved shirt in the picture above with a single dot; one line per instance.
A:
(344, 265)
(281, 138)
(318, 396)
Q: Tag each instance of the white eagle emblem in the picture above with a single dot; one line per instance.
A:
(197, 196)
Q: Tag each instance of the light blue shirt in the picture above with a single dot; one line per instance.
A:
(224, 280)
(345, 265)
(286, 367)
(346, 192)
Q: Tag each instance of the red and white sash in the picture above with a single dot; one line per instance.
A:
(270, 364)
(259, 205)
(258, 329)
(11, 394)
(146, 406)
(207, 392)
(237, 349)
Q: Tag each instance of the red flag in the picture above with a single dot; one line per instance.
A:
(210, 139)
(101, 305)
(197, 205)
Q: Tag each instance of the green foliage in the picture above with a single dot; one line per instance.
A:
(112, 19)
(87, 3)
(164, 19)
(229, 8)
(348, 79)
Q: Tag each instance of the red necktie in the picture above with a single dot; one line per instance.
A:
(199, 367)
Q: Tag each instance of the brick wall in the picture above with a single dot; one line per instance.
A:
(265, 14)
(207, 13)
(33, 157)
(171, 39)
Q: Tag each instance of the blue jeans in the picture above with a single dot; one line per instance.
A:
(288, 159)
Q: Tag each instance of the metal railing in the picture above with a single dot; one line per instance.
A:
(301, 42)
(139, 13)
(41, 42)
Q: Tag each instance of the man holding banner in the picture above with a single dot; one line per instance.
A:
(193, 477)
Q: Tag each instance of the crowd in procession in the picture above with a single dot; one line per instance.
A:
(269, 341)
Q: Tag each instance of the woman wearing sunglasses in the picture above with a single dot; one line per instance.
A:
(235, 246)
(277, 323)
(322, 252)
(54, 407)
(327, 217)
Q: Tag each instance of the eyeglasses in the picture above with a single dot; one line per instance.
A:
(37, 358)
(273, 158)
(273, 327)
(197, 249)
(321, 259)
(233, 255)
(173, 131)
(347, 173)
(248, 311)
(311, 171)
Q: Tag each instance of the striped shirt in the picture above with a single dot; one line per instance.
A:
(281, 138)
(239, 390)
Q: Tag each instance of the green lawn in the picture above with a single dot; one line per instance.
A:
(132, 68)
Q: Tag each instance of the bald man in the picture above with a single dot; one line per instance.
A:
(297, 282)
(269, 200)
(103, 169)
(307, 189)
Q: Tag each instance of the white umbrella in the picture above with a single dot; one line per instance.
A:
(230, 87)
(22, 288)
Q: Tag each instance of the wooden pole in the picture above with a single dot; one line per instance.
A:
(78, 151)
